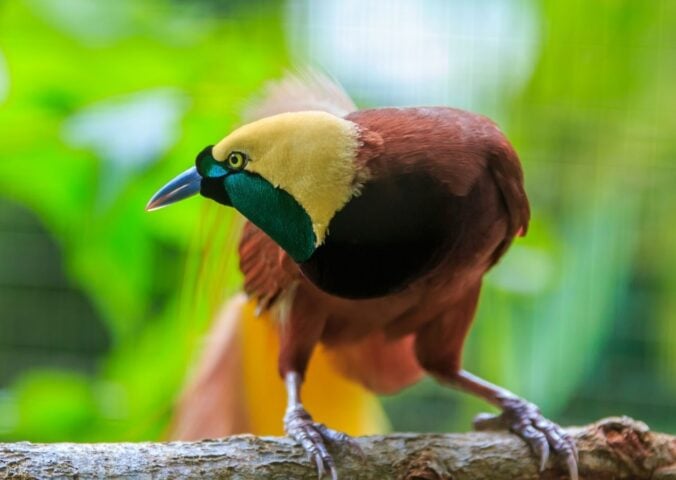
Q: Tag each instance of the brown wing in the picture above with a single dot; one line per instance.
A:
(267, 269)
(506, 170)
(457, 147)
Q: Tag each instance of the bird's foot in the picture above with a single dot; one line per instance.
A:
(313, 437)
(524, 419)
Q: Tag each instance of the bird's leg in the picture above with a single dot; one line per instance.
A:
(439, 350)
(521, 417)
(300, 330)
(312, 435)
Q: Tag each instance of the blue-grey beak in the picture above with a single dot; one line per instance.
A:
(185, 185)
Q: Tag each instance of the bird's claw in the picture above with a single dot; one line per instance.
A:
(313, 436)
(542, 435)
(336, 437)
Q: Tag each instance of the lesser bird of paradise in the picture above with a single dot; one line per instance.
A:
(368, 233)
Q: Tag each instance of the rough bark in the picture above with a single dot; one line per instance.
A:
(613, 448)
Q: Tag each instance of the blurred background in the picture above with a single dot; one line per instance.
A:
(102, 102)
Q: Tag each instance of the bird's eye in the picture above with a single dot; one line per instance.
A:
(237, 160)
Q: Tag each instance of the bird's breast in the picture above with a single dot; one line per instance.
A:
(383, 239)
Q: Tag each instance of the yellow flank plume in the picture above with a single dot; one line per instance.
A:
(310, 155)
(328, 396)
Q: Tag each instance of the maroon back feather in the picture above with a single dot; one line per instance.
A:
(455, 146)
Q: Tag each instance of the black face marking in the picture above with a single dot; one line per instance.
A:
(383, 239)
(213, 188)
(212, 185)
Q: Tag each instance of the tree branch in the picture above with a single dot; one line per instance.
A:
(613, 448)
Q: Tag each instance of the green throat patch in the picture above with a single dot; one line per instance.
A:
(274, 211)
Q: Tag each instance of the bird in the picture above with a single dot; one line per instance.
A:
(367, 235)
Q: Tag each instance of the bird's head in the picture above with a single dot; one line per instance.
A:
(288, 174)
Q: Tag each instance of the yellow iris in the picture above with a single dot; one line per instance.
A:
(236, 160)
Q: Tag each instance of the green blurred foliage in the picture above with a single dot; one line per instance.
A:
(107, 100)
(52, 405)
(66, 59)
